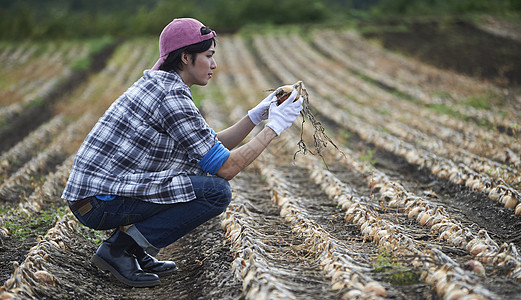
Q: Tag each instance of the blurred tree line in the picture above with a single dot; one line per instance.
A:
(35, 19)
(450, 7)
(123, 18)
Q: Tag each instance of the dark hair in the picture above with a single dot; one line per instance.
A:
(173, 62)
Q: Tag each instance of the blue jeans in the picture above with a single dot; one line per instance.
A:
(158, 225)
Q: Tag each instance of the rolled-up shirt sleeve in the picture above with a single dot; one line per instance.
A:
(214, 159)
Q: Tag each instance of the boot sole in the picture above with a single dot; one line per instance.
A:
(163, 273)
(105, 266)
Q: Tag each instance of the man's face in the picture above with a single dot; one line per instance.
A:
(201, 70)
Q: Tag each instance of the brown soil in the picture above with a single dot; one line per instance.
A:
(455, 45)
(33, 116)
(204, 259)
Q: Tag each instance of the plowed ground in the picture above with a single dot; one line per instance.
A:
(412, 141)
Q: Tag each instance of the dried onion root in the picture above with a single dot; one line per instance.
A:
(320, 137)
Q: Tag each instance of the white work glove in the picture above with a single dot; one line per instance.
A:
(283, 115)
(260, 112)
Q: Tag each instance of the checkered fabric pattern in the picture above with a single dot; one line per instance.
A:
(145, 145)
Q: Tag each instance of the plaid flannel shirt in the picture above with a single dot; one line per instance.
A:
(145, 145)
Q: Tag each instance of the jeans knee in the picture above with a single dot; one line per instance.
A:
(221, 194)
(226, 193)
(214, 190)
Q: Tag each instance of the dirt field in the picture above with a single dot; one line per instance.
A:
(420, 201)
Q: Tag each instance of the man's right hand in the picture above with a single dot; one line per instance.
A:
(282, 116)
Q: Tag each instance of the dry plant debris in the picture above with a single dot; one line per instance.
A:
(320, 137)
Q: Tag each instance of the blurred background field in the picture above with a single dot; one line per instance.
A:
(74, 19)
(417, 28)
(424, 98)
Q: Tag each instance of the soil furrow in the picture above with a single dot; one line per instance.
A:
(35, 115)
(404, 213)
(267, 254)
(462, 173)
(337, 54)
(389, 114)
(273, 62)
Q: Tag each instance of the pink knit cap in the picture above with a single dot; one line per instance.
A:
(180, 33)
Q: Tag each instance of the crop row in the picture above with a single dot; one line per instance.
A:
(32, 75)
(478, 244)
(456, 172)
(292, 211)
(282, 244)
(422, 82)
(445, 276)
(35, 170)
(266, 256)
(474, 138)
(388, 111)
(427, 129)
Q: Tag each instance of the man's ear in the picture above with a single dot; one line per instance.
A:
(185, 58)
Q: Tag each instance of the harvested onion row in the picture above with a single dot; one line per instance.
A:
(27, 148)
(352, 122)
(225, 83)
(231, 85)
(112, 77)
(249, 64)
(50, 190)
(450, 281)
(426, 214)
(24, 179)
(10, 112)
(455, 152)
(27, 55)
(276, 65)
(482, 244)
(51, 64)
(33, 274)
(343, 269)
(241, 80)
(39, 77)
(249, 246)
(333, 86)
(479, 245)
(446, 277)
(262, 52)
(413, 78)
(143, 63)
(443, 168)
(20, 56)
(370, 100)
(7, 51)
(249, 263)
(472, 179)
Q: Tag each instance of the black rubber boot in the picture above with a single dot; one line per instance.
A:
(150, 264)
(113, 255)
